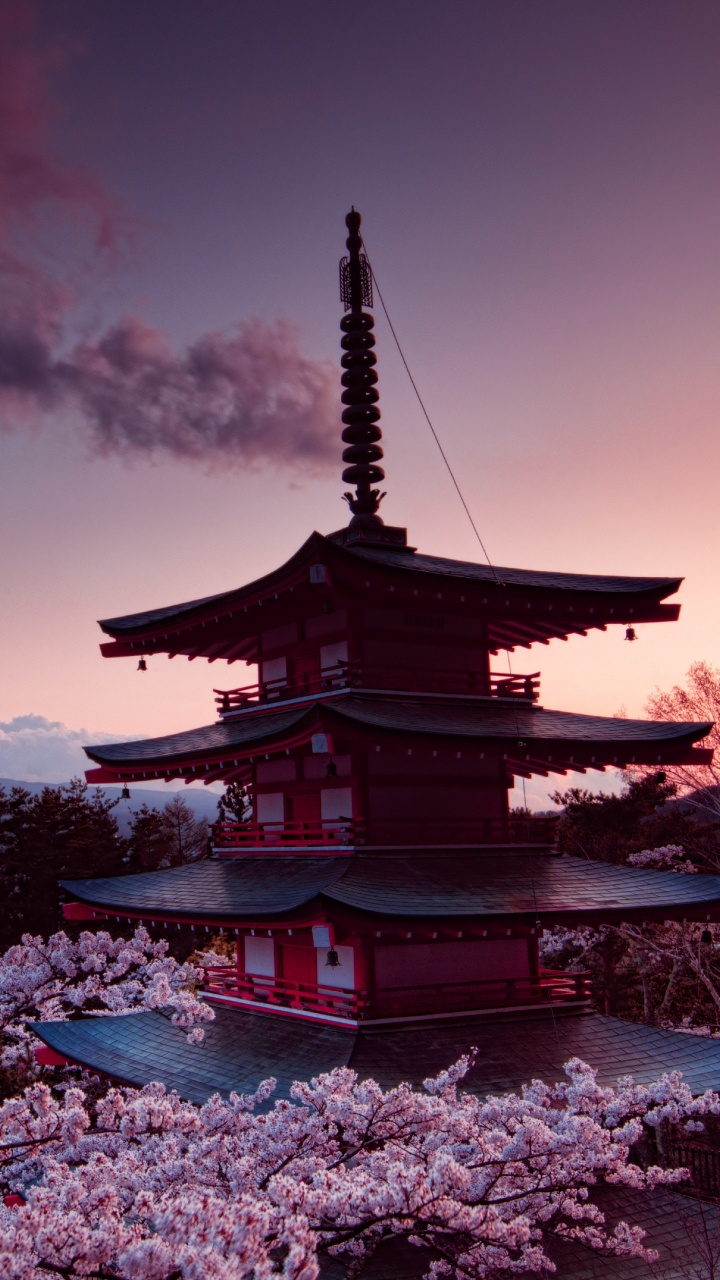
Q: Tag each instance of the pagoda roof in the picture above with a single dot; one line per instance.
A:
(241, 1048)
(534, 738)
(201, 627)
(435, 884)
(501, 575)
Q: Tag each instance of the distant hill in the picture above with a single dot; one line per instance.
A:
(203, 803)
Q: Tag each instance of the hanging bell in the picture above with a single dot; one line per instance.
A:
(331, 771)
(125, 793)
(630, 633)
(333, 959)
(142, 665)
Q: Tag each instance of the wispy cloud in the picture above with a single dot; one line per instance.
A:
(34, 749)
(247, 395)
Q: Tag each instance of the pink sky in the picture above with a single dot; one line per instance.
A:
(540, 191)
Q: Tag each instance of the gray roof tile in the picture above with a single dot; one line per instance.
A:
(241, 1048)
(479, 719)
(436, 883)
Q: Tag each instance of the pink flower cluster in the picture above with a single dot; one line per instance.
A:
(142, 1186)
(98, 975)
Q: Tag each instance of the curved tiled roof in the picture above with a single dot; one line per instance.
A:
(402, 561)
(537, 579)
(223, 736)
(438, 883)
(216, 888)
(478, 719)
(242, 1048)
(483, 719)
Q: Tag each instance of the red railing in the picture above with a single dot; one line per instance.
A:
(228, 836)
(354, 675)
(551, 987)
(428, 833)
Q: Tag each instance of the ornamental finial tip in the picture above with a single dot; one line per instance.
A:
(361, 414)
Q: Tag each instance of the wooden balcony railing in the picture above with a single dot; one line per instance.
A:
(231, 837)
(550, 987)
(354, 675)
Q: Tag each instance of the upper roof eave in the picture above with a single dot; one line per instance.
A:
(157, 622)
(504, 576)
(225, 602)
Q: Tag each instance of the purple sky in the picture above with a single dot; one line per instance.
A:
(540, 190)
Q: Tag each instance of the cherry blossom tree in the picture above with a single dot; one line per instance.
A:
(140, 1185)
(53, 979)
(698, 700)
(662, 958)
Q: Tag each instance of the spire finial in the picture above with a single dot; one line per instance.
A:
(361, 414)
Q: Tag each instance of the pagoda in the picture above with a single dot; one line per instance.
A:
(385, 903)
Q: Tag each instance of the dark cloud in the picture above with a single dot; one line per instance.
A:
(244, 396)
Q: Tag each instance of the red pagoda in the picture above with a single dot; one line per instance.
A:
(386, 904)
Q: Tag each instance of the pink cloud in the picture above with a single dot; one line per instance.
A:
(247, 395)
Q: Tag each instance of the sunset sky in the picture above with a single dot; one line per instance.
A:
(539, 182)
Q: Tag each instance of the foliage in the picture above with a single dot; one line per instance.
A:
(234, 805)
(699, 701)
(665, 974)
(65, 831)
(167, 837)
(143, 1186)
(645, 815)
(661, 974)
(59, 978)
(71, 832)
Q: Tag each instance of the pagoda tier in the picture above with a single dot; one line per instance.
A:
(360, 769)
(390, 938)
(241, 1048)
(383, 593)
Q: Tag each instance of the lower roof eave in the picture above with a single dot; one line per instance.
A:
(241, 1048)
(359, 922)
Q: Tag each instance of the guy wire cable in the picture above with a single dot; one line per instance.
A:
(476, 531)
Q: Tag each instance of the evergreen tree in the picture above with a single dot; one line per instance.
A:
(186, 835)
(64, 832)
(609, 828)
(234, 805)
(167, 837)
(149, 840)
